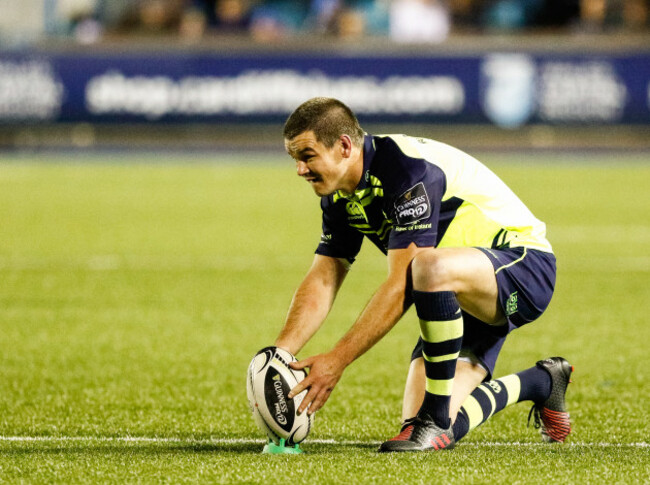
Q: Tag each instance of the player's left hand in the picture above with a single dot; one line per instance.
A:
(325, 370)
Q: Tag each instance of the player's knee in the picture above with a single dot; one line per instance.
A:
(432, 271)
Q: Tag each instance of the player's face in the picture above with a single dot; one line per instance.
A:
(322, 167)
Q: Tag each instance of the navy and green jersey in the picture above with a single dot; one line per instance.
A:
(416, 190)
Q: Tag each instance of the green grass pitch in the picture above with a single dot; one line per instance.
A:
(133, 296)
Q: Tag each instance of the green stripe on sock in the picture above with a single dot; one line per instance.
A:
(440, 358)
(440, 387)
(474, 412)
(434, 332)
(513, 386)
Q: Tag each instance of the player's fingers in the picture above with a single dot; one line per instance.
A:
(311, 395)
(301, 364)
(301, 386)
(320, 401)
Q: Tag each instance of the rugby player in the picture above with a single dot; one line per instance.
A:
(461, 247)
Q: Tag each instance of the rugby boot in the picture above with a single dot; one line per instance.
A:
(420, 435)
(551, 416)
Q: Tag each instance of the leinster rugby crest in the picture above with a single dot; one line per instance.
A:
(412, 206)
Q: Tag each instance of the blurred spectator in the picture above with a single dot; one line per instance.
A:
(152, 16)
(464, 13)
(322, 16)
(419, 21)
(635, 14)
(350, 23)
(202, 17)
(272, 20)
(404, 21)
(592, 14)
(353, 18)
(376, 14)
(558, 13)
(599, 15)
(232, 15)
(193, 24)
(159, 15)
(511, 14)
(112, 12)
(24, 21)
(78, 19)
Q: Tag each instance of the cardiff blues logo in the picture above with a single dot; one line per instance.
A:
(508, 89)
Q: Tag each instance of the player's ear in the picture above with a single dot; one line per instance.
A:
(346, 145)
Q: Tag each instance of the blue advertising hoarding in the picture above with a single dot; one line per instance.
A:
(507, 89)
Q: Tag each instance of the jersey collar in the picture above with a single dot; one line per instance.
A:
(367, 180)
(368, 155)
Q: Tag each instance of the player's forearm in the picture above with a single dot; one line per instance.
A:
(307, 312)
(309, 307)
(380, 315)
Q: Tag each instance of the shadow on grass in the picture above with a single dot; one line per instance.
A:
(149, 449)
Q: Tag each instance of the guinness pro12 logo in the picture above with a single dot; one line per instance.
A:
(413, 205)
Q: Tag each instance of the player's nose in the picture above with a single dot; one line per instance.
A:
(301, 168)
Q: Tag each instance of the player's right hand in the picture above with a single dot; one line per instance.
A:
(325, 370)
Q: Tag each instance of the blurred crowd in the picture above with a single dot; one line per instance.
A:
(405, 21)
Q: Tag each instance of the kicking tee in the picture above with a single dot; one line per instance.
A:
(416, 190)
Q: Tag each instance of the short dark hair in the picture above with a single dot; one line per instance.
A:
(328, 118)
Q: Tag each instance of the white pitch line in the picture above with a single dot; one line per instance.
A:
(225, 441)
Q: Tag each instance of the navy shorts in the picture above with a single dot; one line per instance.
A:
(525, 279)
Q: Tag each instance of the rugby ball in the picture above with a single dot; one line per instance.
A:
(268, 383)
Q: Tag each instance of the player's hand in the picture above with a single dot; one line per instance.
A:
(325, 370)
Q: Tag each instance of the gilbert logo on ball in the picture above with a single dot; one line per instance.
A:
(268, 383)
